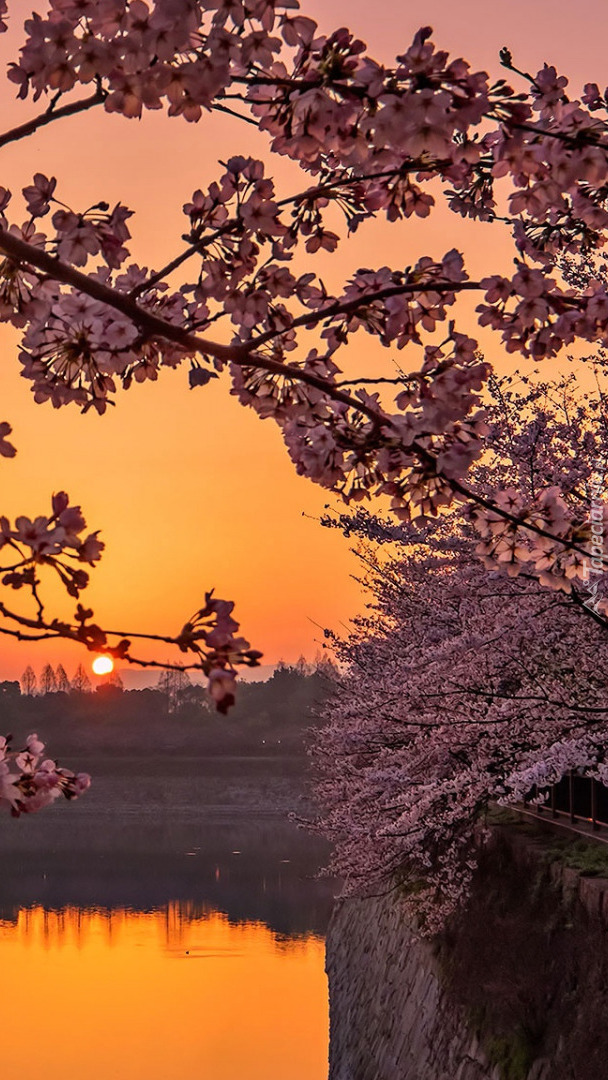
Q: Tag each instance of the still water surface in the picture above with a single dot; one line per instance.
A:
(162, 959)
(156, 995)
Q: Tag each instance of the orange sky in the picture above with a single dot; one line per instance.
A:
(190, 489)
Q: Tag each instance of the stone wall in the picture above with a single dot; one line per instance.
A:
(516, 990)
(390, 1016)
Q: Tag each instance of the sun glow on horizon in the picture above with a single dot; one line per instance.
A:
(103, 665)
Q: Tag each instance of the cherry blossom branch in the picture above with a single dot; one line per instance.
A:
(582, 138)
(353, 178)
(240, 353)
(48, 117)
(54, 268)
(216, 107)
(544, 699)
(29, 780)
(209, 635)
(236, 224)
(347, 307)
(398, 380)
(196, 248)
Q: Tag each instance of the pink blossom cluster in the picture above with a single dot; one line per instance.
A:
(82, 350)
(30, 782)
(510, 543)
(56, 540)
(178, 55)
(210, 634)
(537, 318)
(75, 348)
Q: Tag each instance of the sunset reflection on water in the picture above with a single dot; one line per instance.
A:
(174, 993)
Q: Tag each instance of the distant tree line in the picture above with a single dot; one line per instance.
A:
(55, 680)
(176, 716)
(175, 686)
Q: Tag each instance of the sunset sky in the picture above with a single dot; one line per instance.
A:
(190, 490)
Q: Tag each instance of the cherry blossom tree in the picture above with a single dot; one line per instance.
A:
(463, 686)
(240, 295)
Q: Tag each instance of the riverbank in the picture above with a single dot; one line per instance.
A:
(516, 989)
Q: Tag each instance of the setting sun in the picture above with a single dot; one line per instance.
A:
(103, 665)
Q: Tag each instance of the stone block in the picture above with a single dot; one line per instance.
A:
(591, 894)
(570, 880)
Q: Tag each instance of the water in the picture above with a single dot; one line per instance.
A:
(158, 931)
